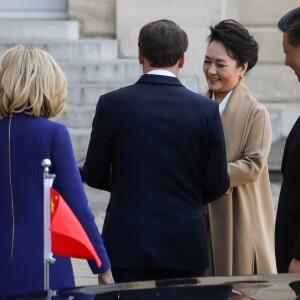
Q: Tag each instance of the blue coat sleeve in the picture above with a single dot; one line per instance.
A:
(97, 166)
(69, 184)
(215, 178)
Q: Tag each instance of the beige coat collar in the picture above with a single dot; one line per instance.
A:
(235, 119)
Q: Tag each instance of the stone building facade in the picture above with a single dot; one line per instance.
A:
(95, 41)
(271, 82)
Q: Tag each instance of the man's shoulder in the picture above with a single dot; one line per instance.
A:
(138, 89)
(119, 91)
(202, 99)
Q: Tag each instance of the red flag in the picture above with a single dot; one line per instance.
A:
(68, 236)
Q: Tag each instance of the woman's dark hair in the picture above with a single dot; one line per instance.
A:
(290, 23)
(240, 45)
(162, 42)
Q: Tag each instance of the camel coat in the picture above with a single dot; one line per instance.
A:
(242, 221)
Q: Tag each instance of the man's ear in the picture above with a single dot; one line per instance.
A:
(181, 60)
(141, 57)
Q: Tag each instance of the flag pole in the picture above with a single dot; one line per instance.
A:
(48, 255)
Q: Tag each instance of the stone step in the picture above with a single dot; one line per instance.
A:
(80, 140)
(83, 99)
(113, 71)
(107, 71)
(89, 93)
(39, 30)
(32, 9)
(263, 81)
(91, 50)
(79, 119)
(79, 113)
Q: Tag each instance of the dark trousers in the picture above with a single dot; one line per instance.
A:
(143, 274)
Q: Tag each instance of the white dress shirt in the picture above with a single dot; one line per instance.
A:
(224, 102)
(161, 72)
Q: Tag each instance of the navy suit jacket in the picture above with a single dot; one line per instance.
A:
(164, 146)
(33, 139)
(287, 233)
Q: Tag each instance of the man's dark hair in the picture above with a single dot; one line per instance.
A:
(290, 23)
(240, 45)
(162, 43)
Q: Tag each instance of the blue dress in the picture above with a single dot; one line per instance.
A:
(31, 140)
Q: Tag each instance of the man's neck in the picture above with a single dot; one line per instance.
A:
(162, 72)
(174, 70)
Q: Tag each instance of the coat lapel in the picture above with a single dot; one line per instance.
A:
(236, 129)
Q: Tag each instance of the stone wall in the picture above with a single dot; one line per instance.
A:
(271, 82)
(124, 18)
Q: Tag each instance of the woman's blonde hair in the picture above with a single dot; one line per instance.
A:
(31, 82)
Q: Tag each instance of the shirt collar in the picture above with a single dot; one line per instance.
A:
(161, 72)
(224, 102)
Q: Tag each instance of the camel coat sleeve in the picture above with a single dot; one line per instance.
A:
(253, 150)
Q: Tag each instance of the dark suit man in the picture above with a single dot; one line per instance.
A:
(164, 146)
(287, 235)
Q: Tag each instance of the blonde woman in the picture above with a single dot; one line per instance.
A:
(32, 90)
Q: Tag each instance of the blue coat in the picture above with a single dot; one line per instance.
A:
(165, 147)
(33, 139)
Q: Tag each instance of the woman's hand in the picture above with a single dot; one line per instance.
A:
(106, 277)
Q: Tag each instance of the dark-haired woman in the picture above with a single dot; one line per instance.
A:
(242, 221)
